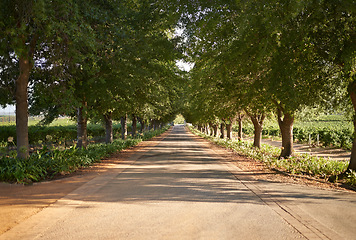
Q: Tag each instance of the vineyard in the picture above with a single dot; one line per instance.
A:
(7, 119)
(326, 130)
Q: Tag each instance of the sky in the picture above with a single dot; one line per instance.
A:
(8, 110)
(184, 65)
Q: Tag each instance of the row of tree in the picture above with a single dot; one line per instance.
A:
(94, 59)
(262, 57)
(109, 59)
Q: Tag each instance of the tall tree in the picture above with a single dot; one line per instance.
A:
(267, 51)
(117, 72)
(25, 28)
(331, 30)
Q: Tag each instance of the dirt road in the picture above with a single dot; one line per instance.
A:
(179, 188)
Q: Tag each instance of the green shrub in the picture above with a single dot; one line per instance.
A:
(46, 163)
(304, 164)
(351, 178)
(57, 133)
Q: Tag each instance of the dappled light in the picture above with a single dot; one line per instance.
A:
(177, 181)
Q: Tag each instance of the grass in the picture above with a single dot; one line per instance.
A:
(303, 164)
(32, 121)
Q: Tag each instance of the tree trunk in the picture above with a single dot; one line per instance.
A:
(22, 108)
(134, 126)
(142, 124)
(82, 132)
(108, 128)
(211, 129)
(352, 92)
(239, 133)
(147, 126)
(199, 127)
(286, 128)
(222, 130)
(206, 130)
(123, 127)
(352, 164)
(228, 130)
(257, 140)
(215, 129)
(257, 120)
(155, 124)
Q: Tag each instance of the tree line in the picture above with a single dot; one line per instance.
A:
(260, 58)
(95, 59)
(107, 59)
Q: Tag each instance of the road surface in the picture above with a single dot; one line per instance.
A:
(181, 189)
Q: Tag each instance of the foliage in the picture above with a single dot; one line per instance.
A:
(100, 57)
(251, 54)
(57, 133)
(179, 119)
(351, 178)
(46, 163)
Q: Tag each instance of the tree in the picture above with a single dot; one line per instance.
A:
(267, 51)
(68, 75)
(332, 33)
(26, 29)
(114, 73)
(231, 63)
(299, 77)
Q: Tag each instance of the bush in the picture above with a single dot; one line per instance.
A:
(303, 164)
(57, 133)
(46, 163)
(351, 178)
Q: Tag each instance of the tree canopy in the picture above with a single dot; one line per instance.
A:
(279, 56)
(111, 59)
